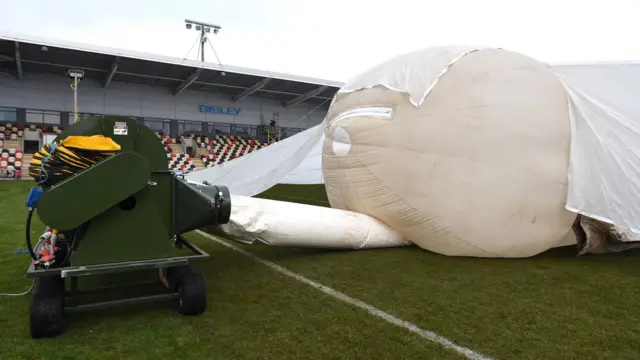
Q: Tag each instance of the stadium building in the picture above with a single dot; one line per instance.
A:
(227, 111)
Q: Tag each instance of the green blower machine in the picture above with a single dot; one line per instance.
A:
(111, 205)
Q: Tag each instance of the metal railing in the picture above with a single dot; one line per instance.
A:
(168, 126)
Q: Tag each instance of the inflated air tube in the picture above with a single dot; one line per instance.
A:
(281, 223)
(465, 152)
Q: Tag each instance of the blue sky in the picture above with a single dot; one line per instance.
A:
(336, 39)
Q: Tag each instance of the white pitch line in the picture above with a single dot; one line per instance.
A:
(428, 335)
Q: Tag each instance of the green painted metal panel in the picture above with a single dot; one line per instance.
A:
(90, 192)
(194, 208)
(118, 235)
(161, 195)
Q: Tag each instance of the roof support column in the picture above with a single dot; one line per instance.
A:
(303, 97)
(188, 81)
(112, 72)
(255, 87)
(18, 60)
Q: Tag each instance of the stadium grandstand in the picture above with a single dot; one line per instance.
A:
(204, 113)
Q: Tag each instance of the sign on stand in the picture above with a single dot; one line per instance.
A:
(6, 174)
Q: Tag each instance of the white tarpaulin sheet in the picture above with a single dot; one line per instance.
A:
(406, 73)
(604, 173)
(309, 171)
(256, 172)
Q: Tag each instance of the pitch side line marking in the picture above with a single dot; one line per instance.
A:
(425, 334)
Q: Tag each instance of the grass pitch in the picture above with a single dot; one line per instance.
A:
(553, 306)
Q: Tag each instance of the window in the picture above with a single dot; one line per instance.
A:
(43, 117)
(80, 116)
(189, 127)
(159, 125)
(290, 132)
(51, 117)
(219, 129)
(8, 115)
(245, 130)
(240, 128)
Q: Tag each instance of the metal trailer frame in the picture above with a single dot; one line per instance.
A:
(73, 272)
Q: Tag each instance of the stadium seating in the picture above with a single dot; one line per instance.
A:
(181, 161)
(11, 131)
(224, 148)
(166, 139)
(46, 128)
(175, 158)
(219, 149)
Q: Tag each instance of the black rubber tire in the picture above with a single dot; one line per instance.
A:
(174, 274)
(47, 307)
(192, 288)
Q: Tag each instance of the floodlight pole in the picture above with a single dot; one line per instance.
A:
(75, 97)
(76, 75)
(203, 40)
(203, 28)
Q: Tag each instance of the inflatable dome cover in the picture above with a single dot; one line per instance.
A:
(464, 151)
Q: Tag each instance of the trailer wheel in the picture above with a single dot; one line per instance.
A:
(192, 288)
(47, 307)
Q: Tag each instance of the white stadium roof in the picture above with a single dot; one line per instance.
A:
(21, 54)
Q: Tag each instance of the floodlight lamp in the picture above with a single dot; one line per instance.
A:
(188, 26)
(208, 30)
(74, 73)
(215, 31)
(198, 27)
